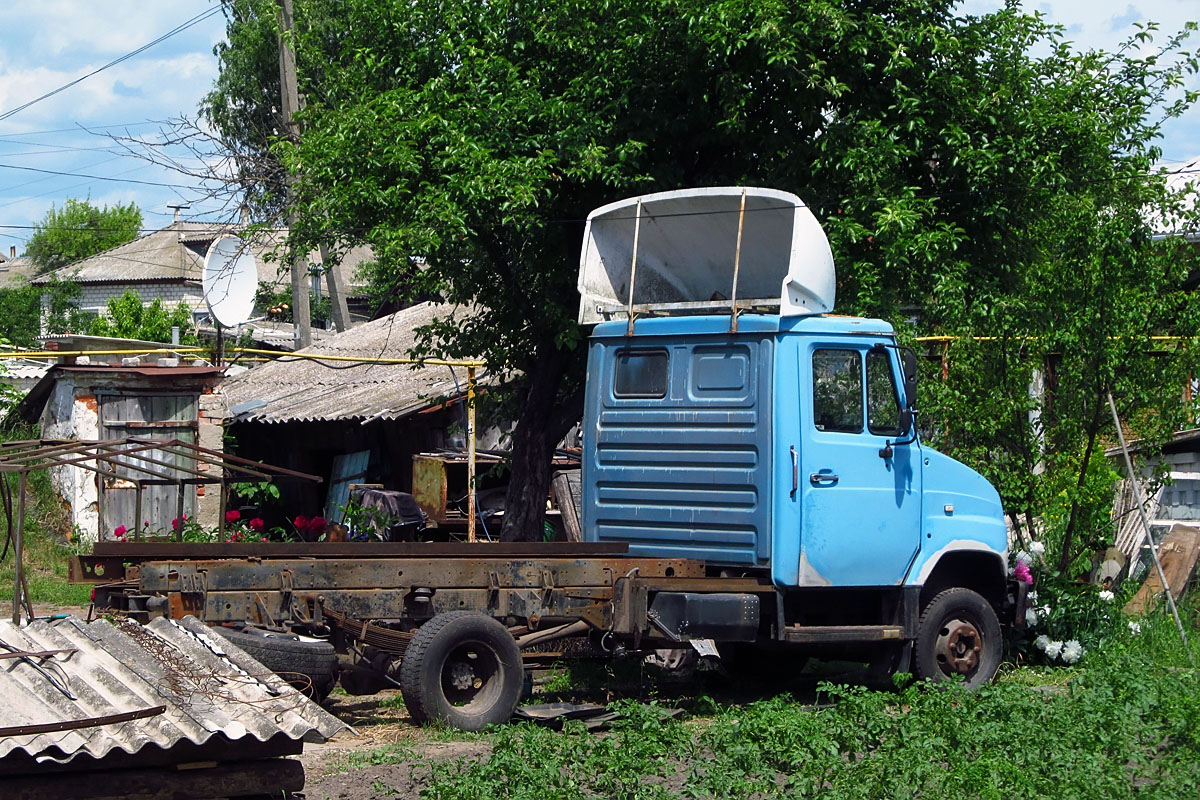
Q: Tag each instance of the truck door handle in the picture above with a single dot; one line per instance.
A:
(795, 471)
(823, 477)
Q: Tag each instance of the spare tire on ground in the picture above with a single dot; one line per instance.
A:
(308, 664)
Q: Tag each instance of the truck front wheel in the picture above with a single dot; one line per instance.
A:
(958, 635)
(463, 668)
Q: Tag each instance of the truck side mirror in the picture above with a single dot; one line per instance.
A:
(906, 421)
(908, 360)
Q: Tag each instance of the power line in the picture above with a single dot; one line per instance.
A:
(98, 177)
(178, 29)
(78, 128)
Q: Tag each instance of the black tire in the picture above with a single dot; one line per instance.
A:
(463, 668)
(958, 635)
(310, 666)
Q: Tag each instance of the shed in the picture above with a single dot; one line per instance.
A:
(104, 402)
(356, 422)
(1167, 502)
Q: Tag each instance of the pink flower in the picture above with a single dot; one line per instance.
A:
(257, 524)
(233, 516)
(175, 523)
(120, 531)
(236, 537)
(1021, 572)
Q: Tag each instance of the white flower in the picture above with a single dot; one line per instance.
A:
(1023, 558)
(1043, 611)
(1134, 628)
(1106, 596)
(1031, 597)
(1072, 651)
(1037, 548)
(1053, 649)
(1042, 642)
(1031, 617)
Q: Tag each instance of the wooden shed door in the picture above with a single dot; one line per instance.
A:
(171, 416)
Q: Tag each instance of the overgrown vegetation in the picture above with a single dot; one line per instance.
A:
(1124, 726)
(47, 542)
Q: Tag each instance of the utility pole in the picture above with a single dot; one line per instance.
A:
(301, 316)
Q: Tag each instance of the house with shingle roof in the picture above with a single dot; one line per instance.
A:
(168, 264)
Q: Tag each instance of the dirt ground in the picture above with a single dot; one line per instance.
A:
(344, 768)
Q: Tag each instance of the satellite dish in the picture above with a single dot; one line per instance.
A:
(230, 280)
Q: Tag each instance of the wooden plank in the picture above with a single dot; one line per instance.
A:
(1178, 553)
(567, 486)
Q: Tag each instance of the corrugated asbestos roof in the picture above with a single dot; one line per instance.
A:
(305, 390)
(214, 695)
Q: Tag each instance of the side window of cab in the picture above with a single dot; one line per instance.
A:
(837, 376)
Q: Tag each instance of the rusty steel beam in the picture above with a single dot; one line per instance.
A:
(171, 551)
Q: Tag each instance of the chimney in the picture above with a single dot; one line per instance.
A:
(12, 251)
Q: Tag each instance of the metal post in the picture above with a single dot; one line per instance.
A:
(137, 511)
(1137, 496)
(470, 454)
(737, 263)
(637, 230)
(19, 549)
(179, 512)
(221, 509)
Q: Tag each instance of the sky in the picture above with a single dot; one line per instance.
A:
(51, 43)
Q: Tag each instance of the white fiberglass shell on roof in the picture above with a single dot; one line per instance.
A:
(687, 244)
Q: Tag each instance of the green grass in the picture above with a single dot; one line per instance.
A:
(1123, 724)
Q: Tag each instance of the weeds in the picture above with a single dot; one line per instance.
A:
(46, 548)
(1127, 725)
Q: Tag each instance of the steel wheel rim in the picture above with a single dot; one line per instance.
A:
(471, 677)
(959, 647)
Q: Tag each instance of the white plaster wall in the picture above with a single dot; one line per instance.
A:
(68, 416)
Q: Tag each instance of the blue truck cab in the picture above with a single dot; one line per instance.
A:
(774, 440)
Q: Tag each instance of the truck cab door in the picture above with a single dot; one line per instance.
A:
(860, 512)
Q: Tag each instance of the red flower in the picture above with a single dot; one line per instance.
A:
(236, 536)
(120, 531)
(301, 523)
(257, 524)
(317, 525)
(175, 523)
(233, 516)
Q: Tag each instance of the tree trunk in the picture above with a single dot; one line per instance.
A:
(1065, 558)
(544, 420)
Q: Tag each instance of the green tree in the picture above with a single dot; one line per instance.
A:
(129, 318)
(80, 229)
(20, 315)
(954, 172)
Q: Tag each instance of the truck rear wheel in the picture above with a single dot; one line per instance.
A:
(463, 668)
(958, 635)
